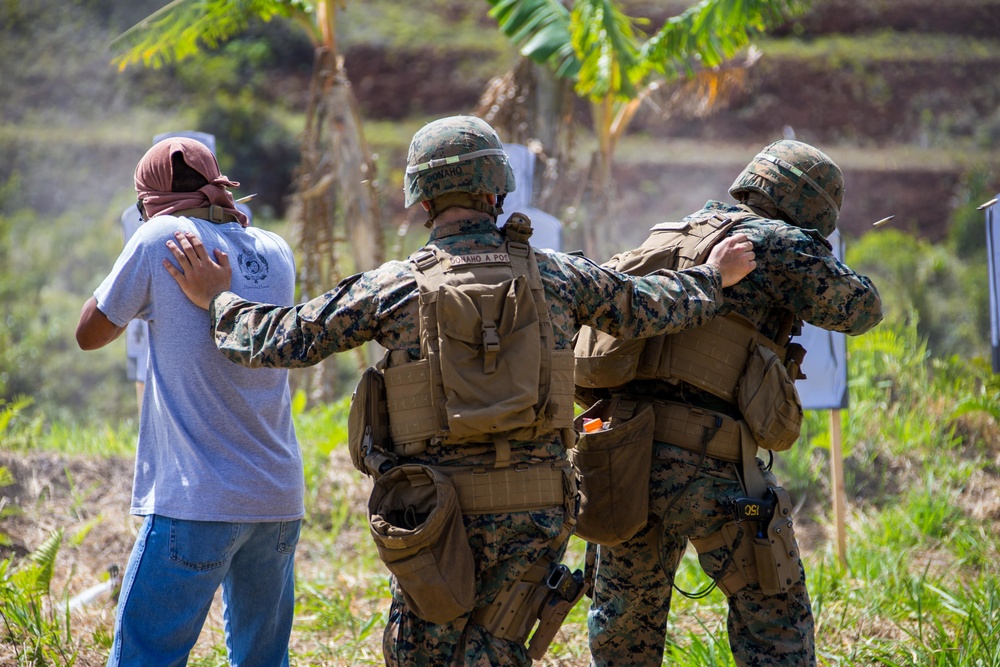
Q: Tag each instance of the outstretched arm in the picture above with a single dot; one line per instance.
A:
(199, 276)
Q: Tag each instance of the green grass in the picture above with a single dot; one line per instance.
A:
(921, 586)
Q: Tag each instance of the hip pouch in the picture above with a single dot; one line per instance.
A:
(769, 402)
(368, 424)
(613, 465)
(416, 522)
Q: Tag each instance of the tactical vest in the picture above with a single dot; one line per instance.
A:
(489, 371)
(715, 357)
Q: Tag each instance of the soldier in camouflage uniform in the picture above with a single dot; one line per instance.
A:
(457, 170)
(790, 196)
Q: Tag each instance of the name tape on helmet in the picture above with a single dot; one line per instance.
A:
(801, 174)
(464, 157)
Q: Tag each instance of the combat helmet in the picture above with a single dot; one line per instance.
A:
(802, 181)
(452, 159)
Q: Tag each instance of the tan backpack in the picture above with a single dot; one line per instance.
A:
(489, 370)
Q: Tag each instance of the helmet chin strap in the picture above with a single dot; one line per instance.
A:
(448, 200)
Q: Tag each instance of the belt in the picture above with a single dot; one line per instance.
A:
(687, 427)
(517, 488)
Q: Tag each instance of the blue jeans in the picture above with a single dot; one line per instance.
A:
(173, 573)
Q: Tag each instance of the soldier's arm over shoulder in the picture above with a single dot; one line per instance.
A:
(627, 306)
(352, 313)
(820, 288)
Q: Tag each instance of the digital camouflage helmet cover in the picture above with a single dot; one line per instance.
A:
(452, 158)
(802, 181)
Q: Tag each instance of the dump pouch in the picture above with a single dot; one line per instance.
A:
(368, 423)
(614, 465)
(416, 522)
(767, 399)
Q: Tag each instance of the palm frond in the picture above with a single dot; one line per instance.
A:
(605, 40)
(182, 28)
(712, 31)
(983, 404)
(45, 558)
(541, 30)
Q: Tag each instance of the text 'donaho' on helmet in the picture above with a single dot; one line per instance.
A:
(456, 154)
(802, 181)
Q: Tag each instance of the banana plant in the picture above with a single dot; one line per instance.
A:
(615, 64)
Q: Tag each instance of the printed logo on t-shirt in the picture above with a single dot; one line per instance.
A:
(252, 266)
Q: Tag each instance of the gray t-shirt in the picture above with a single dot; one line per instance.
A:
(216, 440)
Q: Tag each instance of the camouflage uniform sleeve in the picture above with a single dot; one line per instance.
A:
(631, 307)
(820, 288)
(367, 306)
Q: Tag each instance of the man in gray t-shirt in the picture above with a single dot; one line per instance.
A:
(218, 473)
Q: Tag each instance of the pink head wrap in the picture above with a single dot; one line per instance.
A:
(154, 176)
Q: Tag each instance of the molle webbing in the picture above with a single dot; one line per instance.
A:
(517, 488)
(412, 417)
(697, 430)
(711, 357)
(408, 400)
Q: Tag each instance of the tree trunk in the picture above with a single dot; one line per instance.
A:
(335, 201)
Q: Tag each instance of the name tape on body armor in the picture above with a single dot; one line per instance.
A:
(481, 258)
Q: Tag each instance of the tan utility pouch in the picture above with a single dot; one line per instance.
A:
(368, 419)
(769, 402)
(613, 465)
(416, 522)
(605, 361)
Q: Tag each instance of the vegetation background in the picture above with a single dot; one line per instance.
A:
(904, 94)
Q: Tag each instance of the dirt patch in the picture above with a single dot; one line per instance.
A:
(89, 500)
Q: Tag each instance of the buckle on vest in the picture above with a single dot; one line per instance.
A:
(424, 259)
(491, 340)
(518, 249)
